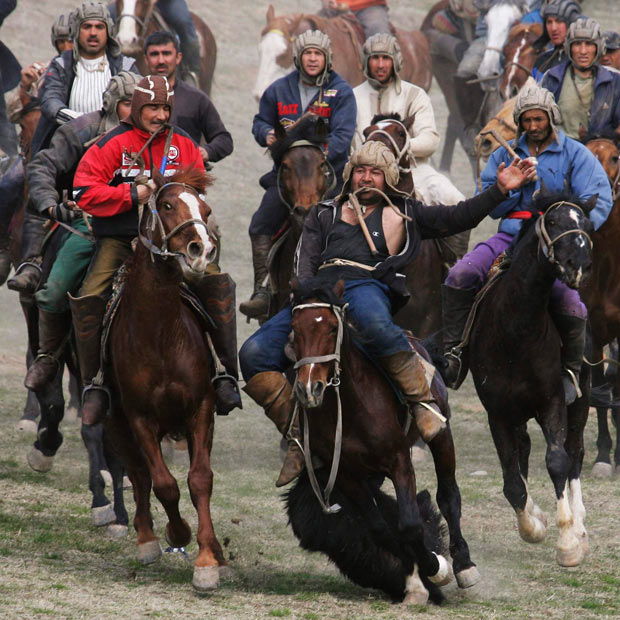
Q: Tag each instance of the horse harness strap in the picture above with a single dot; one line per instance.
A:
(323, 497)
(399, 153)
(519, 65)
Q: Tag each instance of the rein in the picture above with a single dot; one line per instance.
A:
(323, 497)
(398, 152)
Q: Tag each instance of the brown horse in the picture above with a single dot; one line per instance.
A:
(337, 386)
(345, 33)
(160, 370)
(519, 58)
(304, 177)
(136, 20)
(601, 294)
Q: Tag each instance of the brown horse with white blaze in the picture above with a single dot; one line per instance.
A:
(160, 370)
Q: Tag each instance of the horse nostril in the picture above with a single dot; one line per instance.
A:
(317, 390)
(194, 249)
(486, 144)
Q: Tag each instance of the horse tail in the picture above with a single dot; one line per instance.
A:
(347, 539)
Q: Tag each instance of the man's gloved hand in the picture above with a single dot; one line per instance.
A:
(65, 211)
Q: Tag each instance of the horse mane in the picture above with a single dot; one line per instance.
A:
(314, 288)
(377, 118)
(606, 134)
(192, 176)
(306, 128)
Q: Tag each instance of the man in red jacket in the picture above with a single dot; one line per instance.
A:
(372, 14)
(103, 187)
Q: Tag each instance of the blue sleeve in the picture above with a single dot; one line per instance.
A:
(489, 177)
(342, 126)
(589, 178)
(267, 116)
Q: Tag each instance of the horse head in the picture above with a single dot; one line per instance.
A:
(501, 124)
(177, 223)
(131, 23)
(605, 149)
(304, 174)
(519, 57)
(563, 230)
(275, 51)
(318, 329)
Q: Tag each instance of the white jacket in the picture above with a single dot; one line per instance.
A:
(411, 100)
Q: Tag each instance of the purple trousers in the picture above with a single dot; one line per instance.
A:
(472, 269)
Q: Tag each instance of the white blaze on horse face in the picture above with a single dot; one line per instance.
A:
(499, 19)
(127, 35)
(514, 67)
(271, 46)
(194, 208)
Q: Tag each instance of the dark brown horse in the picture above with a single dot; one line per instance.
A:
(514, 352)
(276, 52)
(335, 379)
(519, 58)
(601, 294)
(136, 20)
(304, 176)
(160, 371)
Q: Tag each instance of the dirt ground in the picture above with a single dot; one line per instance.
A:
(54, 563)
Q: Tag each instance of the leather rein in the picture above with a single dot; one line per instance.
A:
(399, 153)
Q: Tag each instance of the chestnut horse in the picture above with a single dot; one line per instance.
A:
(514, 354)
(355, 423)
(160, 370)
(276, 50)
(519, 58)
(137, 19)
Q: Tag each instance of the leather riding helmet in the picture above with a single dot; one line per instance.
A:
(612, 40)
(317, 40)
(99, 11)
(536, 98)
(120, 88)
(372, 153)
(567, 11)
(152, 89)
(384, 44)
(585, 29)
(62, 28)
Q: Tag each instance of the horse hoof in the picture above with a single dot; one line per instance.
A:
(185, 539)
(531, 529)
(107, 478)
(39, 462)
(416, 598)
(27, 426)
(602, 470)
(127, 483)
(206, 578)
(444, 574)
(103, 515)
(149, 552)
(415, 592)
(468, 577)
(570, 556)
(115, 530)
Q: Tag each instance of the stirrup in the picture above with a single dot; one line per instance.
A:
(573, 377)
(101, 388)
(28, 263)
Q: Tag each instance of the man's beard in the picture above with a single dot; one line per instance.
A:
(372, 198)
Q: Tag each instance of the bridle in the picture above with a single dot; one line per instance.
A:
(154, 221)
(398, 152)
(545, 243)
(323, 497)
(142, 22)
(328, 172)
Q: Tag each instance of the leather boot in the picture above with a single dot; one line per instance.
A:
(572, 331)
(88, 313)
(217, 295)
(258, 304)
(273, 392)
(53, 330)
(27, 276)
(5, 258)
(407, 371)
(456, 304)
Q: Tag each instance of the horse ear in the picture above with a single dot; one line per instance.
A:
(158, 177)
(271, 13)
(279, 131)
(408, 122)
(583, 133)
(590, 203)
(366, 131)
(543, 189)
(320, 129)
(339, 290)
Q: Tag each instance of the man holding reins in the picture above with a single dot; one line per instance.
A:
(334, 246)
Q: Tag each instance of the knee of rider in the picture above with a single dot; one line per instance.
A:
(249, 355)
(463, 275)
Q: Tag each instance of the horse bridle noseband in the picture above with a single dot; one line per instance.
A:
(399, 153)
(545, 243)
(142, 23)
(334, 382)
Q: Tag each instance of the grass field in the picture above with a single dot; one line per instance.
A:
(54, 564)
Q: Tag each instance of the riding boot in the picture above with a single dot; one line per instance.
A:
(5, 257)
(27, 276)
(217, 295)
(258, 304)
(407, 371)
(572, 330)
(456, 305)
(53, 330)
(273, 392)
(88, 313)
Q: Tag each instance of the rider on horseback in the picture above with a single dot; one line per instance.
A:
(611, 57)
(371, 14)
(311, 87)
(335, 246)
(560, 160)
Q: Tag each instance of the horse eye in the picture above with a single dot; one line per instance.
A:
(615, 159)
(168, 206)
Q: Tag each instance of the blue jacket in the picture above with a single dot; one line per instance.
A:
(564, 158)
(605, 108)
(281, 103)
(533, 17)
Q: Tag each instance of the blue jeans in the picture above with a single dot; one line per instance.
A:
(370, 310)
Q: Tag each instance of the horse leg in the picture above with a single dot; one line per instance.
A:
(118, 529)
(524, 445)
(531, 528)
(615, 416)
(449, 502)
(200, 481)
(49, 437)
(28, 421)
(452, 132)
(602, 465)
(73, 407)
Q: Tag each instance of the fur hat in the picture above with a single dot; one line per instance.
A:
(387, 45)
(535, 98)
(120, 88)
(317, 40)
(152, 89)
